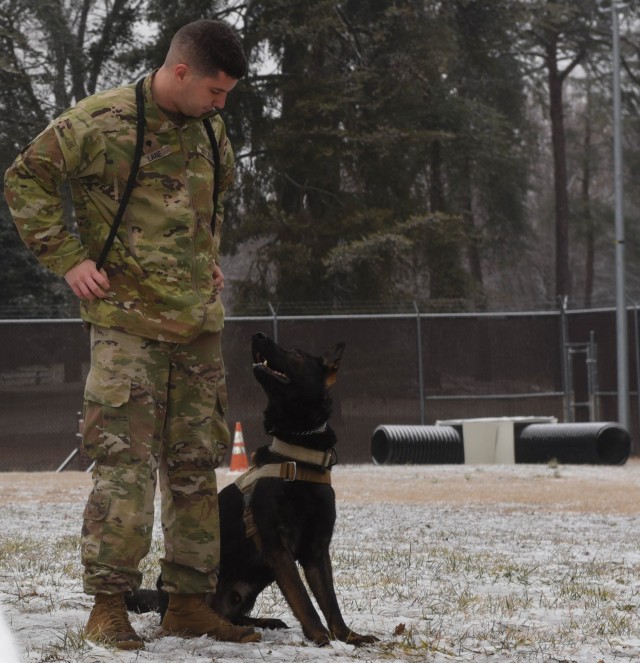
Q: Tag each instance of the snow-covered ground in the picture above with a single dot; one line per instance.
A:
(442, 563)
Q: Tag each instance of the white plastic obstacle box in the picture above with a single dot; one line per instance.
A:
(492, 440)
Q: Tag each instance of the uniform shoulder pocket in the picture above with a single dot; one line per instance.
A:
(107, 388)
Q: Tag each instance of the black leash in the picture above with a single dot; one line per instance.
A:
(131, 182)
(216, 172)
(135, 166)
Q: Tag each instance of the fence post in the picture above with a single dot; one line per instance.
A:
(275, 322)
(592, 377)
(564, 334)
(420, 376)
(67, 460)
(636, 351)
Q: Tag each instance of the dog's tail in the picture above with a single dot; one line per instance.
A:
(142, 600)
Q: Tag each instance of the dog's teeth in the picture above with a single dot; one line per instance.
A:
(265, 364)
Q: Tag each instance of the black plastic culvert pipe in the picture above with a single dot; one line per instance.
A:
(418, 445)
(595, 443)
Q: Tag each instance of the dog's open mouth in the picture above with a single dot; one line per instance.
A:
(261, 364)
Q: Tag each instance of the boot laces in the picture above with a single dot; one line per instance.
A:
(119, 616)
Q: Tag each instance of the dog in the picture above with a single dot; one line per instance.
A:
(282, 510)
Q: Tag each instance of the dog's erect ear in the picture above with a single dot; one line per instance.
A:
(331, 361)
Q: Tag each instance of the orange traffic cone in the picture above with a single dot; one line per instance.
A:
(239, 461)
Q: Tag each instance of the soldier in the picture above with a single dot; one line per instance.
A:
(155, 396)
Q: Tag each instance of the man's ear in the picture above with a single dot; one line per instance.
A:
(331, 361)
(180, 71)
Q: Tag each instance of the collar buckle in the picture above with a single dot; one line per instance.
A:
(290, 470)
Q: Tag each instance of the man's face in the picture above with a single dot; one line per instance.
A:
(197, 95)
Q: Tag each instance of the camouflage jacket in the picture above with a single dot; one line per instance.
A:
(160, 264)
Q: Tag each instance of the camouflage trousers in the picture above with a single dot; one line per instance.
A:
(153, 409)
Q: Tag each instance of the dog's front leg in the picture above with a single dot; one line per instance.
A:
(288, 579)
(319, 574)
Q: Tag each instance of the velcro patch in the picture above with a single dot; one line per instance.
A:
(155, 155)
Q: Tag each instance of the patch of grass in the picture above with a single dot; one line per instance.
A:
(516, 583)
(69, 644)
(36, 573)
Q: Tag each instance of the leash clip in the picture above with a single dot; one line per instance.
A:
(290, 470)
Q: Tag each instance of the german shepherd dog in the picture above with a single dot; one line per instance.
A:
(282, 510)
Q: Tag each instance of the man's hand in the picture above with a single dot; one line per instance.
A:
(87, 282)
(218, 277)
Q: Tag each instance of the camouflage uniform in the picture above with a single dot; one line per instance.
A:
(131, 416)
(155, 395)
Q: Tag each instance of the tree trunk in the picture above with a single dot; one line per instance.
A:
(586, 206)
(473, 252)
(446, 278)
(436, 188)
(556, 112)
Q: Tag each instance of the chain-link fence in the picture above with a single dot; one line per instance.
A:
(397, 369)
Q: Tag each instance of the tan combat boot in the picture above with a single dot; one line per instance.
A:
(109, 623)
(188, 615)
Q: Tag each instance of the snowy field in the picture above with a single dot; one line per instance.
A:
(442, 563)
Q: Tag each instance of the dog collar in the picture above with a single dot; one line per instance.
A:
(301, 454)
(320, 429)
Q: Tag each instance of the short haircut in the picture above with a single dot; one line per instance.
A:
(209, 47)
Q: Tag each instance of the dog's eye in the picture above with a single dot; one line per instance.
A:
(236, 599)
